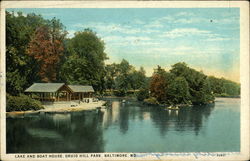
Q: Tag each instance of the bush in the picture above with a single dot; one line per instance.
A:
(151, 101)
(120, 93)
(142, 94)
(22, 103)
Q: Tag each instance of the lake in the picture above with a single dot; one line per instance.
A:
(129, 127)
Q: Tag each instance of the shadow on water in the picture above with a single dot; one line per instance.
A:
(72, 133)
(185, 119)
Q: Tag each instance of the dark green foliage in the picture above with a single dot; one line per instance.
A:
(142, 94)
(21, 69)
(223, 87)
(120, 93)
(22, 103)
(199, 85)
(178, 91)
(123, 76)
(85, 63)
(182, 85)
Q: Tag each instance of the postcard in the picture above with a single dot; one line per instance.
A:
(124, 80)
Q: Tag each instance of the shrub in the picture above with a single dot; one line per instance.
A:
(142, 94)
(22, 103)
(120, 93)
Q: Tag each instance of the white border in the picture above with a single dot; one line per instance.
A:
(244, 66)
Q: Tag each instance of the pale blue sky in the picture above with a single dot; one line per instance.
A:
(206, 38)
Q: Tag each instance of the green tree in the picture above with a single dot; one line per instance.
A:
(138, 79)
(21, 69)
(199, 87)
(123, 79)
(86, 60)
(178, 91)
(111, 73)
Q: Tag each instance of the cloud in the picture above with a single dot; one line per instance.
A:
(218, 39)
(154, 24)
(181, 32)
(131, 41)
(126, 38)
(109, 28)
(185, 14)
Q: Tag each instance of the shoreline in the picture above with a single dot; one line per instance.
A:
(83, 107)
(86, 107)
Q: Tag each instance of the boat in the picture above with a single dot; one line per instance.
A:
(173, 108)
(123, 101)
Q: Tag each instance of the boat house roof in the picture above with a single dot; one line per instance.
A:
(54, 87)
(81, 88)
(44, 87)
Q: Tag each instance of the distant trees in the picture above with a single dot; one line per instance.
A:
(123, 77)
(184, 85)
(223, 87)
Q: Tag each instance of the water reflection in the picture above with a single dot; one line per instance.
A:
(74, 132)
(83, 131)
(185, 119)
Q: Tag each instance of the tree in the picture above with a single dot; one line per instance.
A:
(123, 79)
(178, 91)
(86, 59)
(46, 47)
(158, 85)
(138, 79)
(111, 74)
(21, 69)
(199, 86)
(223, 87)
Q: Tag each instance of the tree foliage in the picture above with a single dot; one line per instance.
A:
(21, 69)
(223, 87)
(46, 47)
(86, 60)
(124, 77)
(182, 85)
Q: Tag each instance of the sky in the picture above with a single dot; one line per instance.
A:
(207, 39)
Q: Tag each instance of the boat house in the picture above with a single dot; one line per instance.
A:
(82, 93)
(53, 92)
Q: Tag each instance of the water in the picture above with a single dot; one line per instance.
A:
(129, 127)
